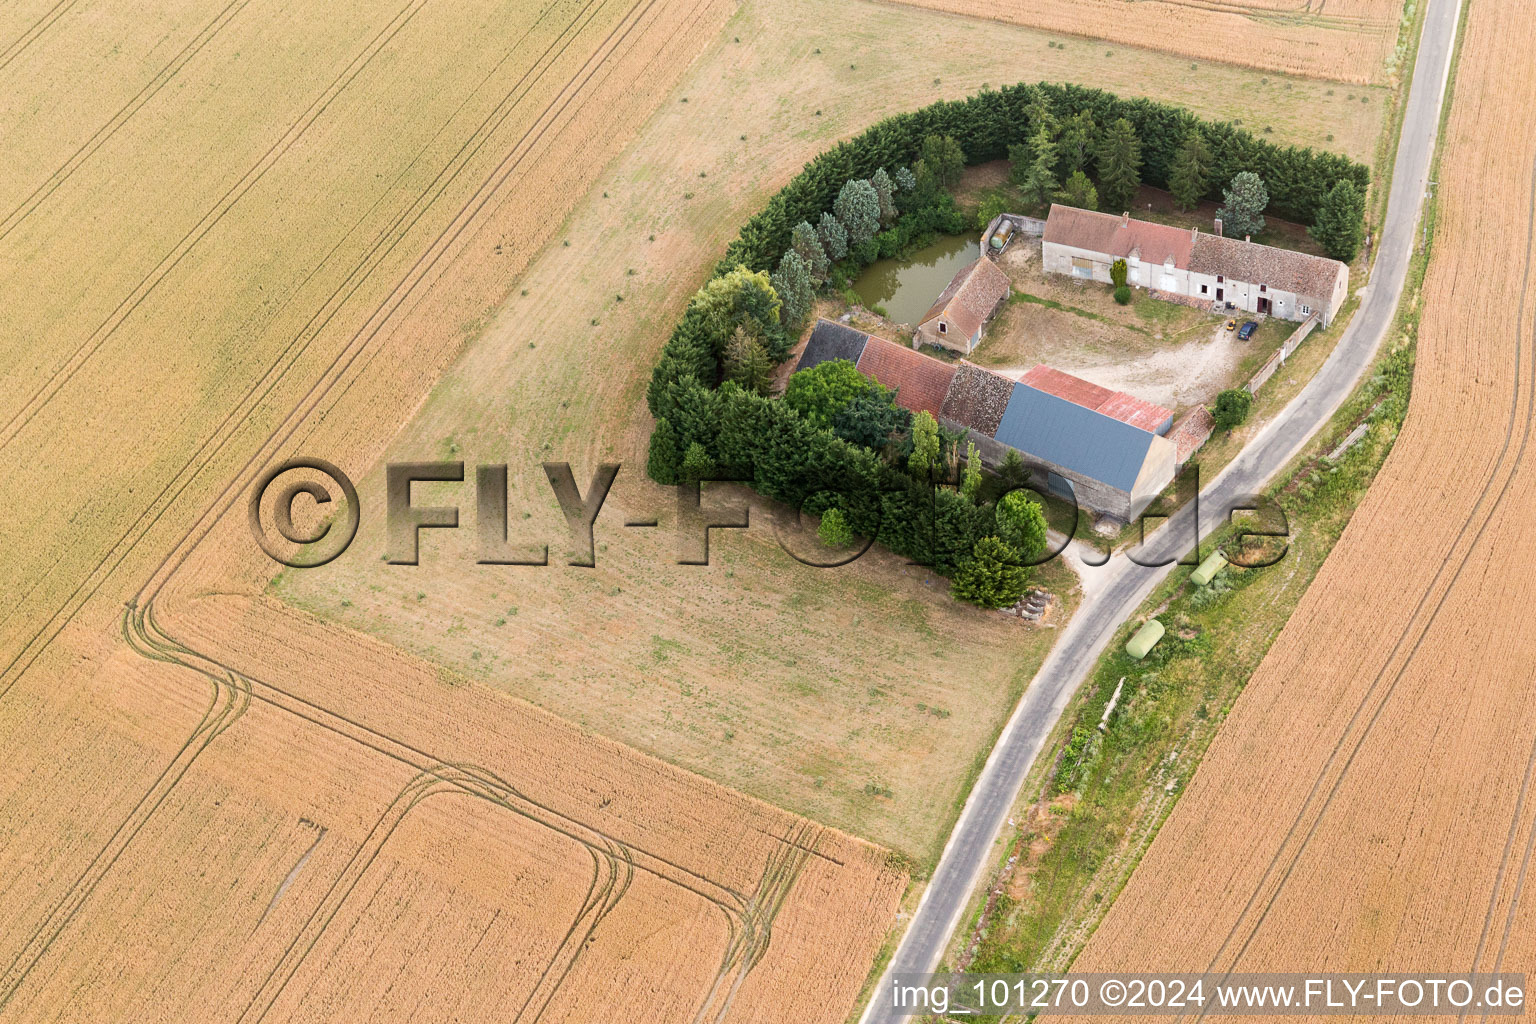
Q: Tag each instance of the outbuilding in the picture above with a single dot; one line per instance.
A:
(971, 299)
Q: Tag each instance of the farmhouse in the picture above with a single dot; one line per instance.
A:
(1227, 273)
(1106, 449)
(956, 318)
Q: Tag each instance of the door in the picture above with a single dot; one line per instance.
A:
(1221, 293)
(1263, 305)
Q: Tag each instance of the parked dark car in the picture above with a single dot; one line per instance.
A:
(1248, 329)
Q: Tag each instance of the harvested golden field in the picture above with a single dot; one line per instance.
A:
(1367, 806)
(1348, 41)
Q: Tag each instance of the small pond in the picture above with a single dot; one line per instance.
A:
(905, 288)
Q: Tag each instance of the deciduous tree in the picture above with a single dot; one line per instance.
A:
(833, 237)
(795, 288)
(803, 240)
(925, 445)
(970, 483)
(1021, 524)
(1231, 408)
(734, 297)
(943, 158)
(858, 208)
(818, 394)
(885, 193)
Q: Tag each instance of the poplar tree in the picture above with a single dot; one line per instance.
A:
(858, 208)
(803, 240)
(833, 237)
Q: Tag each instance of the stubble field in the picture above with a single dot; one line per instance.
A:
(1352, 41)
(1367, 805)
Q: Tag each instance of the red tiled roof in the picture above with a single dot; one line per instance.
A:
(971, 295)
(1114, 404)
(1117, 236)
(920, 381)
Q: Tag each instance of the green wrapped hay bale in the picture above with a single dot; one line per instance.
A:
(1208, 569)
(1145, 639)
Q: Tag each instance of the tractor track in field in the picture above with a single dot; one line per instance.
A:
(147, 285)
(749, 919)
(383, 245)
(99, 137)
(38, 28)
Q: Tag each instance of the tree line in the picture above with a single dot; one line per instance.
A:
(985, 125)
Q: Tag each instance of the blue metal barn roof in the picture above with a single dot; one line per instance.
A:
(1086, 442)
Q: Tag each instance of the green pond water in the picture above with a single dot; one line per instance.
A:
(907, 287)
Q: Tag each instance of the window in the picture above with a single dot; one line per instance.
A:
(943, 327)
(1263, 287)
(1306, 310)
(1220, 279)
(1205, 289)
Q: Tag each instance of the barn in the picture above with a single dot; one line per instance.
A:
(956, 318)
(1106, 449)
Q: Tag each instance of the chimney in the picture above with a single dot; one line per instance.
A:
(1218, 227)
(1247, 238)
(1194, 233)
(1125, 219)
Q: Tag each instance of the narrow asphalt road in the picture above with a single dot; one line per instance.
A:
(1128, 584)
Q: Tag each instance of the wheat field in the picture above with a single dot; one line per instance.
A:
(1367, 806)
